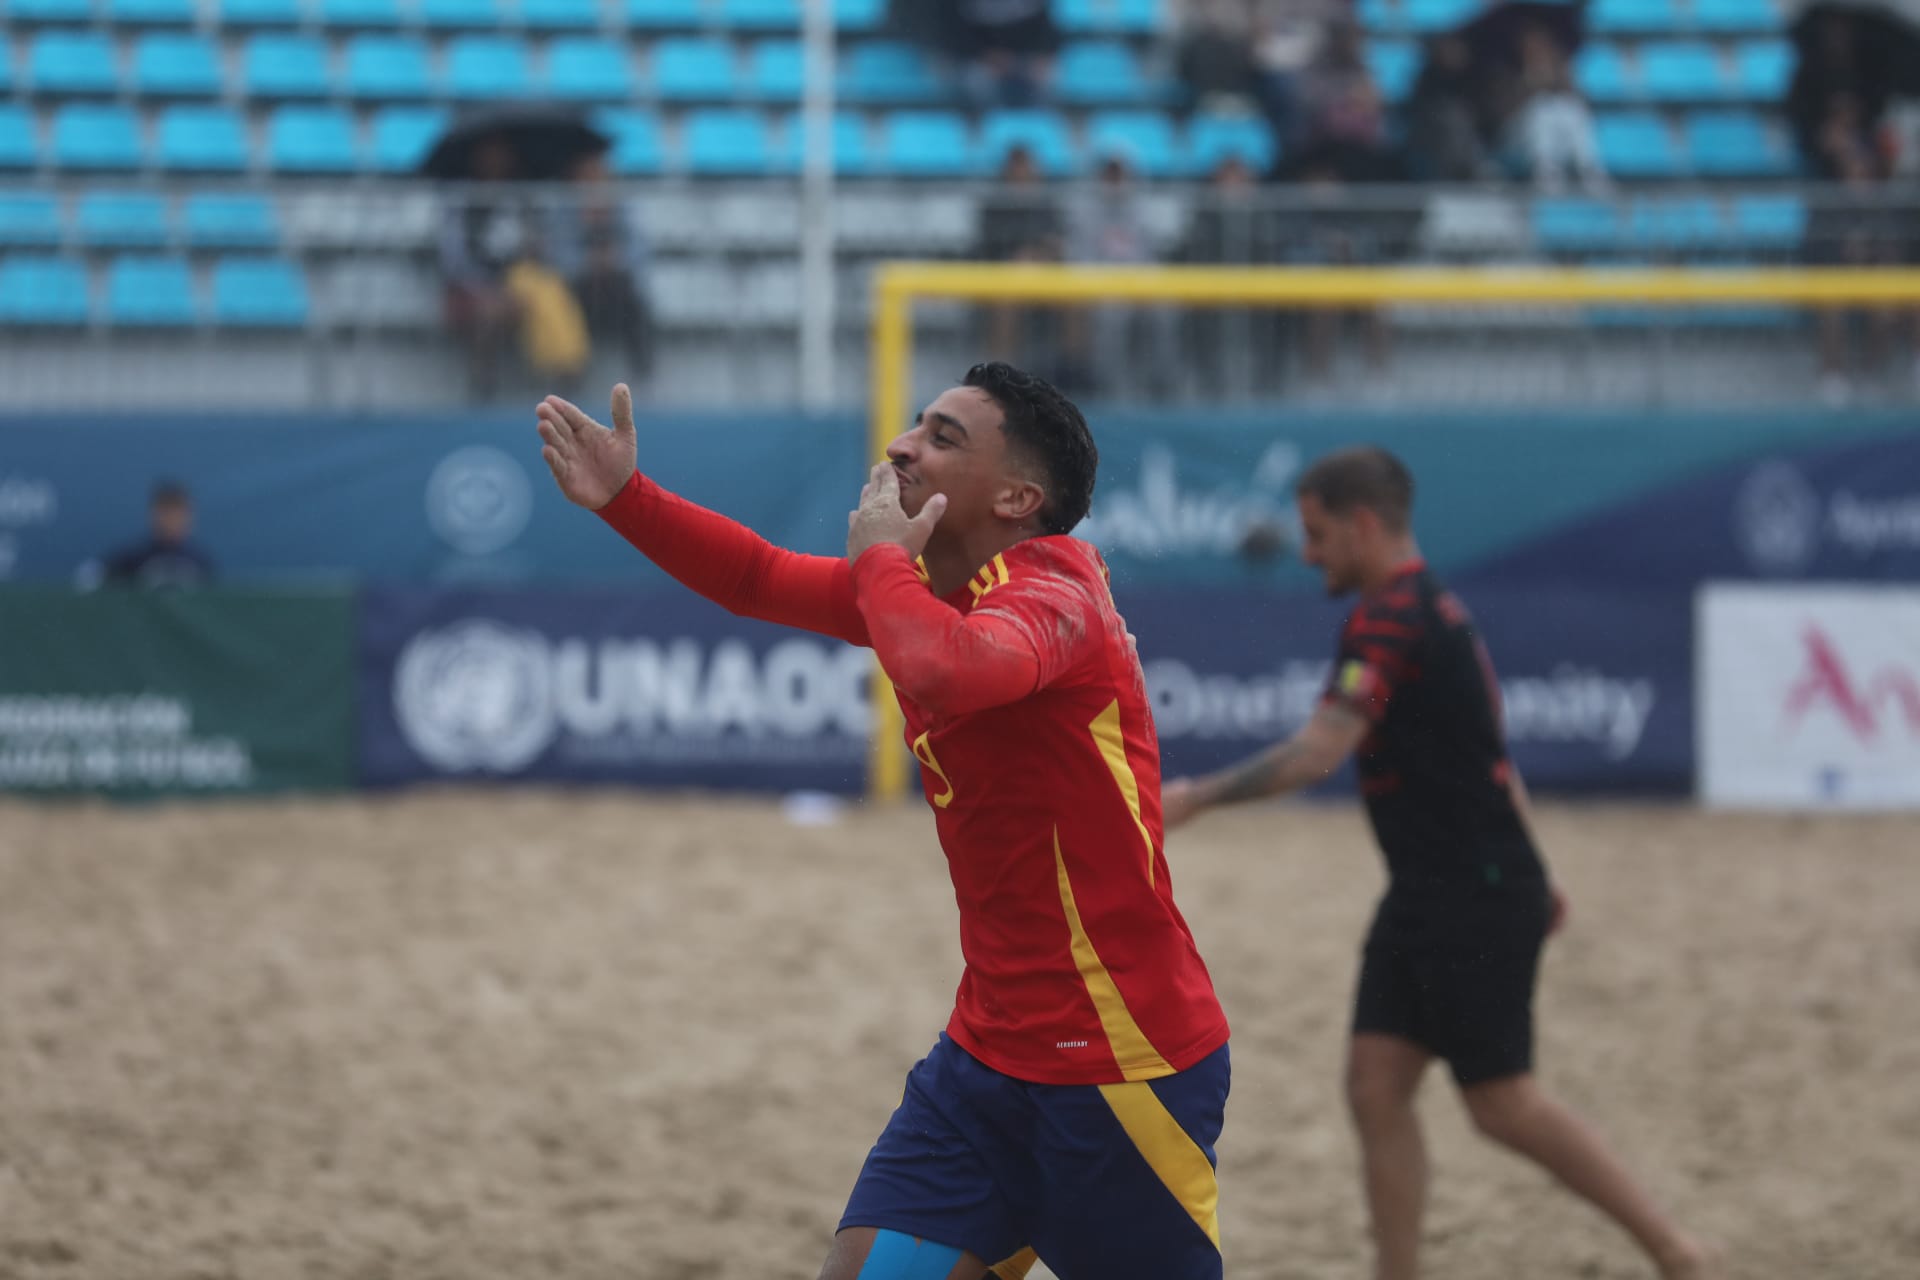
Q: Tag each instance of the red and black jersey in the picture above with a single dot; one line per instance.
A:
(1433, 767)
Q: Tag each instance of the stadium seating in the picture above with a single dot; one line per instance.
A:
(1041, 133)
(150, 291)
(733, 143)
(1427, 16)
(1638, 144)
(1140, 17)
(201, 139)
(852, 157)
(261, 13)
(1681, 71)
(1212, 139)
(29, 218)
(483, 67)
(286, 66)
(925, 144)
(748, 15)
(1102, 72)
(312, 140)
(776, 71)
(72, 63)
(401, 136)
(1737, 144)
(1601, 74)
(637, 147)
(665, 13)
(1762, 70)
(888, 71)
(19, 148)
(387, 67)
(41, 290)
(1633, 17)
(361, 13)
(160, 13)
(560, 15)
(220, 221)
(1773, 223)
(1144, 138)
(1736, 15)
(50, 10)
(1395, 64)
(587, 69)
(92, 137)
(120, 219)
(261, 292)
(464, 15)
(171, 65)
(695, 69)
(1575, 224)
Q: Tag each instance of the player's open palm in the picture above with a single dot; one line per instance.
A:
(590, 463)
(880, 518)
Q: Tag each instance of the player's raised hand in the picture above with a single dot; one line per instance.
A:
(880, 518)
(590, 463)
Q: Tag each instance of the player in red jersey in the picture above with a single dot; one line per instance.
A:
(1071, 1106)
(1449, 966)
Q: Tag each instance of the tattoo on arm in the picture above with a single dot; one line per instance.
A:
(1262, 775)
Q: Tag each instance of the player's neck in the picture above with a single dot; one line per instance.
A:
(1392, 561)
(951, 562)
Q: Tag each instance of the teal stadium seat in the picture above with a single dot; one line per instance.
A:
(483, 67)
(777, 71)
(1133, 17)
(1762, 70)
(403, 135)
(1576, 224)
(1724, 16)
(261, 13)
(925, 144)
(312, 140)
(560, 15)
(668, 15)
(1395, 64)
(259, 292)
(97, 138)
(1633, 17)
(150, 13)
(1601, 74)
(285, 66)
(150, 292)
(201, 140)
(887, 71)
(852, 157)
(1674, 224)
(1042, 133)
(387, 68)
(1101, 72)
(585, 69)
(29, 219)
(1773, 222)
(216, 220)
(123, 219)
(760, 15)
(1638, 144)
(1737, 144)
(6, 62)
(852, 16)
(176, 66)
(719, 143)
(1212, 139)
(1682, 71)
(19, 142)
(72, 62)
(26, 11)
(694, 69)
(463, 15)
(637, 148)
(353, 14)
(42, 290)
(1147, 137)
(1426, 17)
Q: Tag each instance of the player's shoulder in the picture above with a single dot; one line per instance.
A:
(1057, 556)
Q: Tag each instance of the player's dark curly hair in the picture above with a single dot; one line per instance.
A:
(1363, 476)
(1050, 429)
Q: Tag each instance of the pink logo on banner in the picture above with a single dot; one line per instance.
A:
(1828, 681)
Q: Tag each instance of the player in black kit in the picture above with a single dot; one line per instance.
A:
(1448, 969)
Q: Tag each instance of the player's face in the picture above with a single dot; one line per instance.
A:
(956, 447)
(1331, 544)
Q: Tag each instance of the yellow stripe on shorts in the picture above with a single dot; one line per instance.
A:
(1176, 1159)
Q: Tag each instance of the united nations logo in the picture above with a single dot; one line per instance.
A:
(1776, 519)
(476, 695)
(478, 499)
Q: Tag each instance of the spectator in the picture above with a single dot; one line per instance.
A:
(1445, 138)
(1343, 122)
(168, 558)
(1854, 227)
(1215, 58)
(483, 234)
(1319, 229)
(1019, 222)
(597, 248)
(1555, 124)
(1286, 38)
(1110, 228)
(1832, 65)
(1231, 225)
(1006, 49)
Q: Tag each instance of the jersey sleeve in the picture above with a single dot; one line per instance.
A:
(735, 567)
(1024, 634)
(1375, 656)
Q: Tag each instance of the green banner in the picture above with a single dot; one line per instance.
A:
(176, 693)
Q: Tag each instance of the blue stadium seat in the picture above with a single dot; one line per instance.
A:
(777, 71)
(1428, 16)
(693, 69)
(665, 14)
(176, 66)
(889, 71)
(725, 143)
(1737, 144)
(925, 144)
(265, 292)
(24, 11)
(220, 221)
(6, 62)
(387, 67)
(1101, 71)
(361, 13)
(150, 13)
(403, 135)
(1638, 144)
(201, 140)
(859, 15)
(760, 15)
(285, 66)
(1395, 64)
(19, 146)
(1762, 69)
(1674, 224)
(488, 67)
(1212, 139)
(560, 15)
(32, 218)
(88, 137)
(468, 15)
(585, 69)
(1600, 73)
(1769, 222)
(38, 289)
(1575, 224)
(312, 140)
(1736, 15)
(1633, 17)
(636, 141)
(851, 155)
(261, 13)
(72, 62)
(150, 291)
(1681, 71)
(1146, 136)
(1136, 17)
(1042, 133)
(123, 219)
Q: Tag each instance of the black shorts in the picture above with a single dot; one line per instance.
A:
(1464, 995)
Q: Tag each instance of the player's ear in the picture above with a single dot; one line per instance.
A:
(1020, 501)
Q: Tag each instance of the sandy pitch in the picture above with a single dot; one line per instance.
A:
(561, 1036)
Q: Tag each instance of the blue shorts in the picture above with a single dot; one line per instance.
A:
(1104, 1182)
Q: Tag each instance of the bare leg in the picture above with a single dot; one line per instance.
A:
(1518, 1114)
(1383, 1075)
(849, 1255)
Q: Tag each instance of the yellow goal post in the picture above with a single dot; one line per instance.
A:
(898, 285)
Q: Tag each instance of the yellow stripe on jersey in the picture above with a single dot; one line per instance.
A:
(1016, 1267)
(994, 574)
(1112, 742)
(1136, 1056)
(1175, 1158)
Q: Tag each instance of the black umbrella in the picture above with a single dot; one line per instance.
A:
(547, 141)
(1493, 35)
(1885, 40)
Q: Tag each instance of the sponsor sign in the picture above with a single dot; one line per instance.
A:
(1809, 696)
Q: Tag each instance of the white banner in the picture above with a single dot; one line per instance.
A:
(1809, 696)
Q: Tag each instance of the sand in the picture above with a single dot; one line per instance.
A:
(570, 1035)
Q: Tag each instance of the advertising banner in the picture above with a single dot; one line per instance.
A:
(175, 693)
(1810, 696)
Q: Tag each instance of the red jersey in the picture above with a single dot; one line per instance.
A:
(1027, 709)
